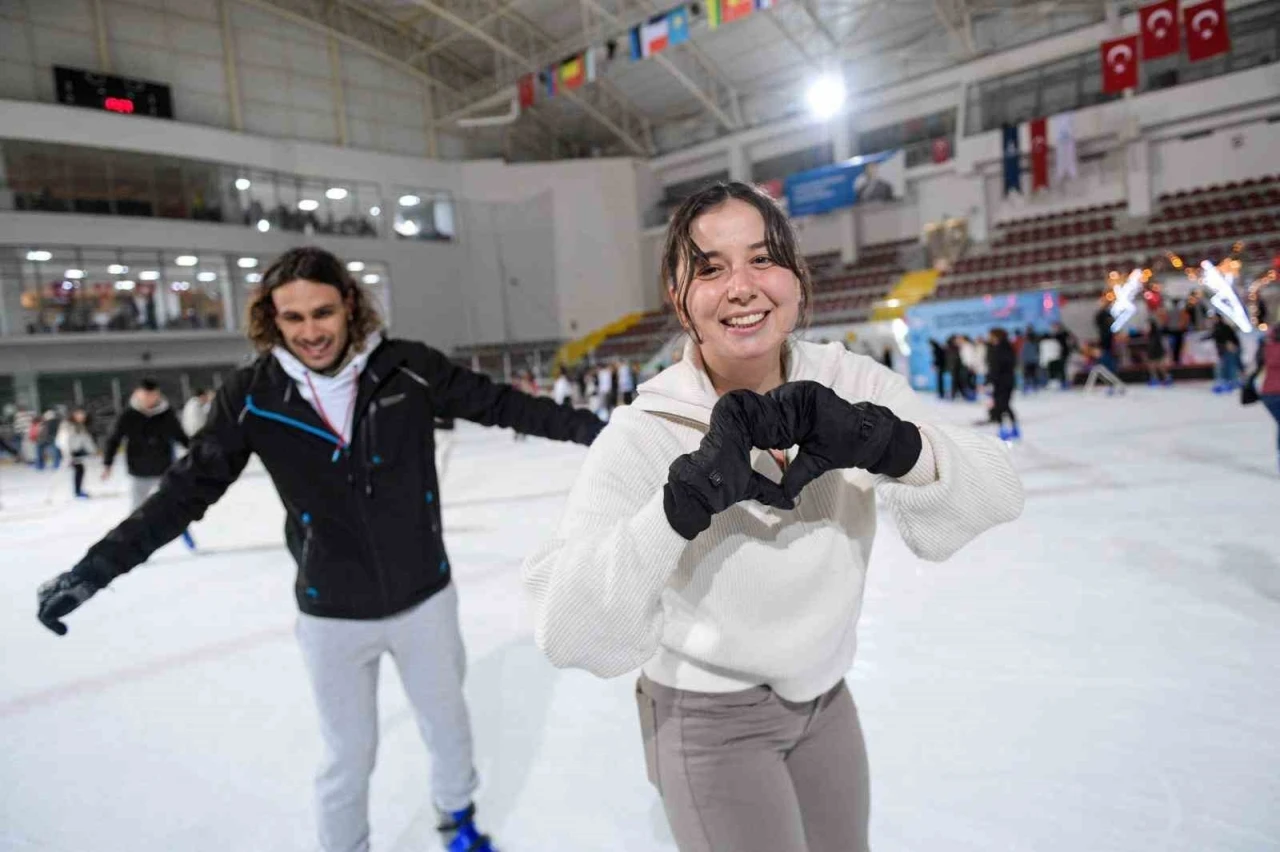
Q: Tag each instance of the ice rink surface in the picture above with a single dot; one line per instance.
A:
(1103, 674)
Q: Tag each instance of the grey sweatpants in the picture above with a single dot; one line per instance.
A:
(140, 488)
(342, 658)
(751, 772)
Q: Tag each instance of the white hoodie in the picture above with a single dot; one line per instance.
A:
(763, 596)
(337, 393)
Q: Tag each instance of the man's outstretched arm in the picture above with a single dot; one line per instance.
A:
(188, 489)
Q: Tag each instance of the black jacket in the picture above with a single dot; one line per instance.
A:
(363, 522)
(149, 440)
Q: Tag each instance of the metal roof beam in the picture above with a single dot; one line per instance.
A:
(629, 140)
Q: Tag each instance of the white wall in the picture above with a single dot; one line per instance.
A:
(289, 84)
(121, 351)
(1227, 154)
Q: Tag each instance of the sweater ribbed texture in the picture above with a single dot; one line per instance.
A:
(763, 596)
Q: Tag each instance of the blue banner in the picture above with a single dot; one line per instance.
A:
(936, 321)
(1012, 159)
(840, 185)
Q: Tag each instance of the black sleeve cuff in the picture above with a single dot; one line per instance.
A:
(903, 451)
(685, 512)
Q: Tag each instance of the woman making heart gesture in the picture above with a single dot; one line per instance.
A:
(718, 534)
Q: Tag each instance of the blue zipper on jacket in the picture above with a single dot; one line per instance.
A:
(289, 421)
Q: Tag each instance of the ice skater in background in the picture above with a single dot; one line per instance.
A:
(149, 429)
(1268, 378)
(681, 552)
(76, 443)
(342, 420)
(1002, 368)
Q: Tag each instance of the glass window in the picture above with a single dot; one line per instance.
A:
(422, 214)
(189, 294)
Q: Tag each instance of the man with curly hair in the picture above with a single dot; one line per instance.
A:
(342, 418)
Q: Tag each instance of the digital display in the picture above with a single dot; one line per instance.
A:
(124, 95)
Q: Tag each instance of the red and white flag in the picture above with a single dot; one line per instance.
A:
(1160, 32)
(1120, 64)
(526, 90)
(1039, 154)
(1207, 34)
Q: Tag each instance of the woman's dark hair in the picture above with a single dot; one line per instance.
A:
(313, 264)
(680, 254)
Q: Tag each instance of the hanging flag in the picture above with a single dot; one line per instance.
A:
(764, 4)
(526, 91)
(1120, 64)
(713, 13)
(732, 10)
(941, 149)
(677, 26)
(1039, 154)
(590, 58)
(573, 72)
(1158, 24)
(1064, 139)
(655, 35)
(1207, 34)
(548, 78)
(1012, 160)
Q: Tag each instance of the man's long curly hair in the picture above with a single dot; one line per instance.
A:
(312, 264)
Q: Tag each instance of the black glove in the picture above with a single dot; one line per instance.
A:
(834, 434)
(61, 595)
(718, 474)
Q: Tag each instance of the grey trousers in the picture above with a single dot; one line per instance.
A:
(342, 658)
(751, 772)
(140, 488)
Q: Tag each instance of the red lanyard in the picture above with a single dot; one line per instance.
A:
(355, 387)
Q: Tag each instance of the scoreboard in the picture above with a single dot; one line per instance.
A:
(124, 95)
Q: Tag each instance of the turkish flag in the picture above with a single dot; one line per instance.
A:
(941, 149)
(1039, 154)
(526, 91)
(1206, 30)
(1120, 64)
(1159, 25)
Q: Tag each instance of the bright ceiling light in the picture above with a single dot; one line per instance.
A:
(242, 184)
(117, 269)
(186, 260)
(410, 201)
(371, 278)
(124, 285)
(264, 225)
(207, 276)
(179, 286)
(247, 262)
(826, 95)
(375, 210)
(308, 204)
(74, 273)
(253, 277)
(39, 256)
(355, 266)
(148, 275)
(335, 193)
(407, 228)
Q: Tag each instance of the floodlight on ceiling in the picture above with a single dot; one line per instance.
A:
(242, 184)
(335, 193)
(826, 95)
(410, 201)
(308, 204)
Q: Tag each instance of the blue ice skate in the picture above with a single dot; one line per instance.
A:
(1010, 435)
(458, 831)
(188, 540)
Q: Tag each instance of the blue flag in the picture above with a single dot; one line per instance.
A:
(637, 52)
(1012, 160)
(677, 26)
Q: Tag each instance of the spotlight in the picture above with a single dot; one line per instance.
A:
(335, 193)
(74, 274)
(207, 276)
(242, 184)
(308, 204)
(375, 211)
(186, 260)
(410, 201)
(264, 225)
(117, 269)
(253, 277)
(124, 285)
(148, 275)
(826, 95)
(355, 266)
(371, 278)
(39, 256)
(247, 262)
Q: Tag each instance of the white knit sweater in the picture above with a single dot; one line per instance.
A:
(763, 596)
